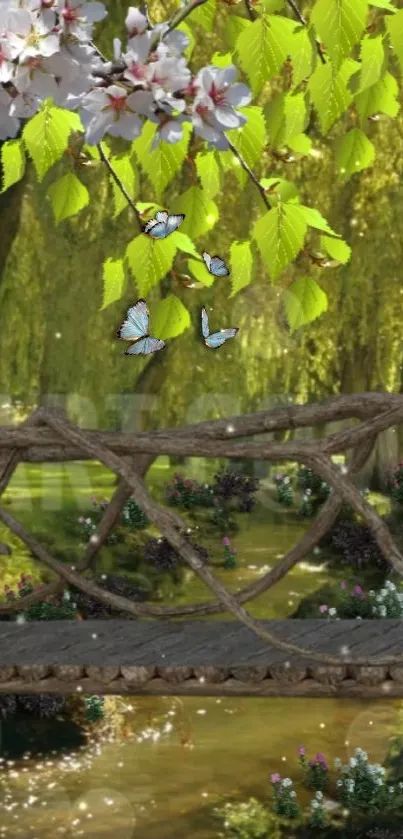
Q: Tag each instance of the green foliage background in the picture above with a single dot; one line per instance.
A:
(73, 260)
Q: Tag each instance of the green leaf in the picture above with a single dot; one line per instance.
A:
(208, 171)
(301, 144)
(162, 164)
(394, 25)
(336, 248)
(249, 140)
(222, 59)
(383, 4)
(304, 301)
(123, 166)
(189, 34)
(150, 261)
(275, 119)
(46, 137)
(13, 162)
(301, 55)
(339, 24)
(204, 15)
(200, 273)
(286, 190)
(381, 98)
(372, 61)
(241, 261)
(295, 115)
(91, 151)
(234, 25)
(314, 219)
(170, 318)
(114, 281)
(263, 47)
(353, 153)
(329, 92)
(68, 196)
(280, 236)
(183, 243)
(201, 214)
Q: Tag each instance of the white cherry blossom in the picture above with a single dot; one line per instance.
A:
(216, 91)
(28, 37)
(111, 110)
(135, 22)
(77, 17)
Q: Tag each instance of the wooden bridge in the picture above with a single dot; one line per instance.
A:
(249, 657)
(198, 658)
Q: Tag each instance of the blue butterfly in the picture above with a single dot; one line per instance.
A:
(217, 339)
(162, 225)
(215, 265)
(135, 328)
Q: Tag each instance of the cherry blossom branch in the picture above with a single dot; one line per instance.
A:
(250, 173)
(249, 11)
(183, 13)
(120, 185)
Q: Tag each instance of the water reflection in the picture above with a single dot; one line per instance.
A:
(177, 760)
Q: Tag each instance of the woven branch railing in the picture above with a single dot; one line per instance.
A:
(46, 435)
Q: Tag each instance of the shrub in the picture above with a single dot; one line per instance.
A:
(357, 545)
(315, 771)
(249, 820)
(363, 789)
(186, 493)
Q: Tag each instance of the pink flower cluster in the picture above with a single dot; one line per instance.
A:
(46, 51)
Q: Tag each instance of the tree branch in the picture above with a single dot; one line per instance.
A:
(250, 173)
(249, 11)
(168, 528)
(182, 14)
(292, 4)
(120, 185)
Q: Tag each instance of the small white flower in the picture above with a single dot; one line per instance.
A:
(314, 804)
(332, 612)
(352, 762)
(287, 782)
(337, 763)
(319, 795)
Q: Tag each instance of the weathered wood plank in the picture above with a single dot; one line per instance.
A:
(185, 643)
(346, 689)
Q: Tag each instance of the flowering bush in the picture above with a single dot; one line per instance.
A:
(284, 795)
(285, 495)
(186, 493)
(385, 603)
(363, 788)
(54, 607)
(131, 517)
(316, 771)
(388, 602)
(394, 483)
(229, 553)
(318, 816)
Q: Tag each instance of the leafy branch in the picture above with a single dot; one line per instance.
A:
(298, 14)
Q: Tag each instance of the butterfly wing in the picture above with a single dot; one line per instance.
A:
(162, 216)
(218, 267)
(207, 259)
(205, 326)
(136, 324)
(217, 339)
(155, 229)
(173, 223)
(146, 346)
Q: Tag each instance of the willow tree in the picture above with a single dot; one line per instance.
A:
(293, 204)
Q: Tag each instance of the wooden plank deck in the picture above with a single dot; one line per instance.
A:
(206, 658)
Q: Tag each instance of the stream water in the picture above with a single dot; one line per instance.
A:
(176, 759)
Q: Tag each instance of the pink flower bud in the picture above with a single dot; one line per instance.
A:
(323, 608)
